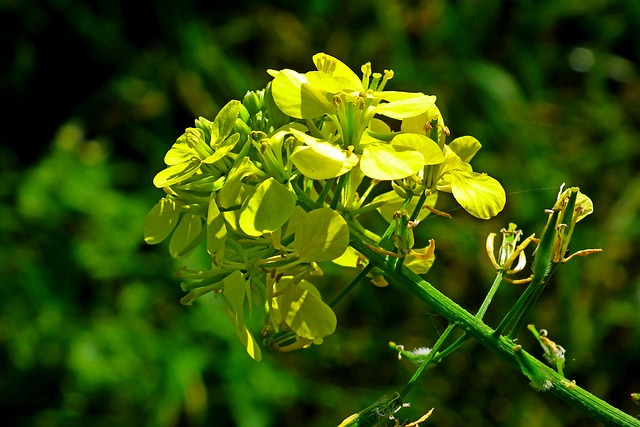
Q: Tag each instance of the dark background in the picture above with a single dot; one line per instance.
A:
(95, 92)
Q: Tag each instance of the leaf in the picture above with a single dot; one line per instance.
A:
(216, 228)
(224, 122)
(161, 220)
(186, 236)
(403, 108)
(267, 209)
(295, 97)
(385, 162)
(323, 235)
(432, 153)
(305, 312)
(465, 147)
(176, 173)
(479, 194)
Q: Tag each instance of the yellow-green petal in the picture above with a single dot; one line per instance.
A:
(393, 202)
(186, 236)
(216, 228)
(409, 107)
(306, 314)
(432, 153)
(465, 147)
(267, 209)
(336, 68)
(321, 235)
(295, 97)
(161, 220)
(176, 173)
(478, 194)
(320, 159)
(385, 162)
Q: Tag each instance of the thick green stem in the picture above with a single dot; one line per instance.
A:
(502, 346)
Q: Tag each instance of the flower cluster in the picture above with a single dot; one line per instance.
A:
(272, 186)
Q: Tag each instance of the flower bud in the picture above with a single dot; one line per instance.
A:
(253, 102)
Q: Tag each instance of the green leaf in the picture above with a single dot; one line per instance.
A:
(385, 162)
(186, 237)
(176, 173)
(322, 235)
(297, 98)
(161, 220)
(305, 312)
(267, 209)
(403, 108)
(432, 153)
(465, 147)
(479, 194)
(224, 122)
(321, 159)
(216, 228)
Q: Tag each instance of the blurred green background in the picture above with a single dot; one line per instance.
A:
(95, 92)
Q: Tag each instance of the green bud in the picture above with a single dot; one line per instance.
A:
(252, 102)
(276, 117)
(244, 114)
(242, 128)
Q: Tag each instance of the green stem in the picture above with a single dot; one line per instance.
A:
(480, 314)
(392, 226)
(522, 316)
(353, 283)
(503, 347)
(338, 193)
(426, 361)
(325, 190)
(487, 300)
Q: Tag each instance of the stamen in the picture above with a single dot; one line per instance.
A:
(388, 75)
(366, 73)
